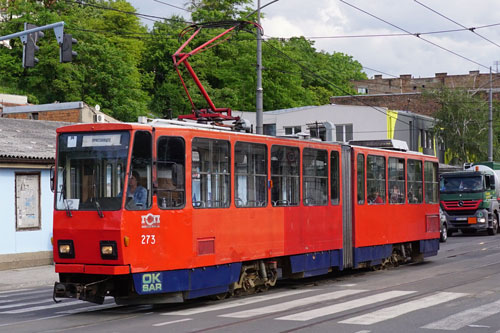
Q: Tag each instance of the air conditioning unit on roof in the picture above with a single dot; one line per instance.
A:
(99, 118)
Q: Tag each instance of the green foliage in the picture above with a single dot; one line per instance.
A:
(106, 70)
(462, 123)
(128, 71)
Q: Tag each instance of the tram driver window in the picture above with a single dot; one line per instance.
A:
(170, 172)
(375, 179)
(140, 182)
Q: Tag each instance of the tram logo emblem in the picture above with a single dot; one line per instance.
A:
(150, 221)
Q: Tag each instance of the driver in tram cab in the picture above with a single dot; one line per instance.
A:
(135, 191)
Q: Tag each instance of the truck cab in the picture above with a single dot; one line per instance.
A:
(469, 199)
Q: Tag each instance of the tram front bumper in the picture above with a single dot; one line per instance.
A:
(89, 292)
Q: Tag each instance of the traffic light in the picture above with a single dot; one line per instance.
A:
(66, 52)
(30, 47)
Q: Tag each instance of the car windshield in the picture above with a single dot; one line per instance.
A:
(91, 170)
(461, 184)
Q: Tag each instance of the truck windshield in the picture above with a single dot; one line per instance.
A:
(91, 170)
(461, 184)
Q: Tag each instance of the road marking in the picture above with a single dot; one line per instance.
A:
(335, 308)
(43, 307)
(90, 309)
(172, 322)
(235, 303)
(292, 304)
(27, 294)
(30, 321)
(16, 305)
(464, 318)
(13, 291)
(403, 308)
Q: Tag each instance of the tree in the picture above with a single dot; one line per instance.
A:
(462, 123)
(294, 73)
(106, 70)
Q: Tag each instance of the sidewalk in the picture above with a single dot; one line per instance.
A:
(21, 278)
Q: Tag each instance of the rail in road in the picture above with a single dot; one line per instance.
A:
(450, 287)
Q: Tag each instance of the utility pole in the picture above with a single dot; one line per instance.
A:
(259, 94)
(490, 122)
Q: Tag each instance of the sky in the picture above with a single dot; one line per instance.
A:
(332, 25)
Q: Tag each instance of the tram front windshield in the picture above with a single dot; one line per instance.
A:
(91, 170)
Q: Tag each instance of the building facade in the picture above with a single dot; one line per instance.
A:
(27, 151)
(73, 112)
(344, 123)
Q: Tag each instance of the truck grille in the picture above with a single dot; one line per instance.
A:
(461, 204)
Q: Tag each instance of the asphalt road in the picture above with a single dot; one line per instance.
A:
(458, 290)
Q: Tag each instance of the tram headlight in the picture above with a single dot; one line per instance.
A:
(108, 250)
(65, 248)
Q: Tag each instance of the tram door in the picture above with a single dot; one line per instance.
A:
(347, 189)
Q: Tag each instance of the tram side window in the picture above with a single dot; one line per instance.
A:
(285, 175)
(414, 180)
(315, 177)
(431, 182)
(210, 173)
(334, 178)
(139, 182)
(361, 178)
(170, 172)
(375, 179)
(250, 174)
(396, 170)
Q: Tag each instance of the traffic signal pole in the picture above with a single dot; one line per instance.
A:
(29, 37)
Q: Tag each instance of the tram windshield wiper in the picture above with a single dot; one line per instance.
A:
(98, 207)
(63, 196)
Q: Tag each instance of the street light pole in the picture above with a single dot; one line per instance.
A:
(490, 122)
(259, 93)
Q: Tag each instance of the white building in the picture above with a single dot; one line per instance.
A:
(344, 123)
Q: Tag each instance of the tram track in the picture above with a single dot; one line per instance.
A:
(460, 281)
(476, 273)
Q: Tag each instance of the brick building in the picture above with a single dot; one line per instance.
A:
(7, 100)
(73, 112)
(405, 92)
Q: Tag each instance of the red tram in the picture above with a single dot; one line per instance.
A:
(217, 211)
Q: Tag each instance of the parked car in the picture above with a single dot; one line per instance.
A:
(444, 226)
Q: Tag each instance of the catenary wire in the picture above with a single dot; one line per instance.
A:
(459, 24)
(414, 34)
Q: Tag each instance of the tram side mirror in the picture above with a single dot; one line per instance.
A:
(52, 178)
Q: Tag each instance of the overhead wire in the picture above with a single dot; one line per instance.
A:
(145, 16)
(414, 34)
(173, 6)
(396, 34)
(459, 24)
(329, 82)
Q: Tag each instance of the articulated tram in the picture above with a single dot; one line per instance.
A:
(166, 211)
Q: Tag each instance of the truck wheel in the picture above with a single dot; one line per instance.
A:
(494, 226)
(444, 233)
